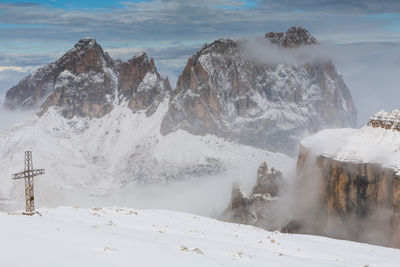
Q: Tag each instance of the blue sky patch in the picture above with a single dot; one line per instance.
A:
(240, 4)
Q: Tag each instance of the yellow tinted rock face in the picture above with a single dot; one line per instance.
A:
(396, 217)
(355, 190)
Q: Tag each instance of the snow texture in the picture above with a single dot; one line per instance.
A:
(125, 237)
(366, 145)
(107, 159)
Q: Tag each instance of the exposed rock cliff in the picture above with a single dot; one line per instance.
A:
(357, 174)
(255, 209)
(223, 91)
(86, 81)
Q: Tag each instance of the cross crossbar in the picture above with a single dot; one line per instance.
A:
(27, 174)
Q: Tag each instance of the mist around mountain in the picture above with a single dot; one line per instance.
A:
(112, 132)
(266, 92)
(119, 128)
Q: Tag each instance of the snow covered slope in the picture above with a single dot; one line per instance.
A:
(372, 143)
(126, 237)
(116, 159)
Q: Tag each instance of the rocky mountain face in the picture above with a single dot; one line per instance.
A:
(358, 181)
(256, 208)
(86, 81)
(364, 190)
(87, 98)
(222, 91)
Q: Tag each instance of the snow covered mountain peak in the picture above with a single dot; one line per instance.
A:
(90, 41)
(86, 44)
(86, 56)
(86, 81)
(223, 91)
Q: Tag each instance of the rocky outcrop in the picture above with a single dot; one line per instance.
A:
(86, 81)
(294, 37)
(255, 209)
(353, 198)
(142, 84)
(361, 201)
(356, 187)
(223, 91)
(268, 181)
(386, 120)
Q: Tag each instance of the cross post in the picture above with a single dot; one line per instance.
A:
(28, 174)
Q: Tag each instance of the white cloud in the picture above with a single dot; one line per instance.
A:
(17, 68)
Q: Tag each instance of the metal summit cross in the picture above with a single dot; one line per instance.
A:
(28, 174)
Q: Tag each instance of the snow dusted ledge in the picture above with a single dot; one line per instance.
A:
(377, 142)
(386, 120)
(125, 237)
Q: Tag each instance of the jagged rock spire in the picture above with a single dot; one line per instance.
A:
(292, 38)
(253, 208)
(267, 181)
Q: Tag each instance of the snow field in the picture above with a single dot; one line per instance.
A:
(117, 236)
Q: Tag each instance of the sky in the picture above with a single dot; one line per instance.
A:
(363, 36)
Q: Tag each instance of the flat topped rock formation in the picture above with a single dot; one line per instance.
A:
(86, 82)
(223, 91)
(358, 178)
